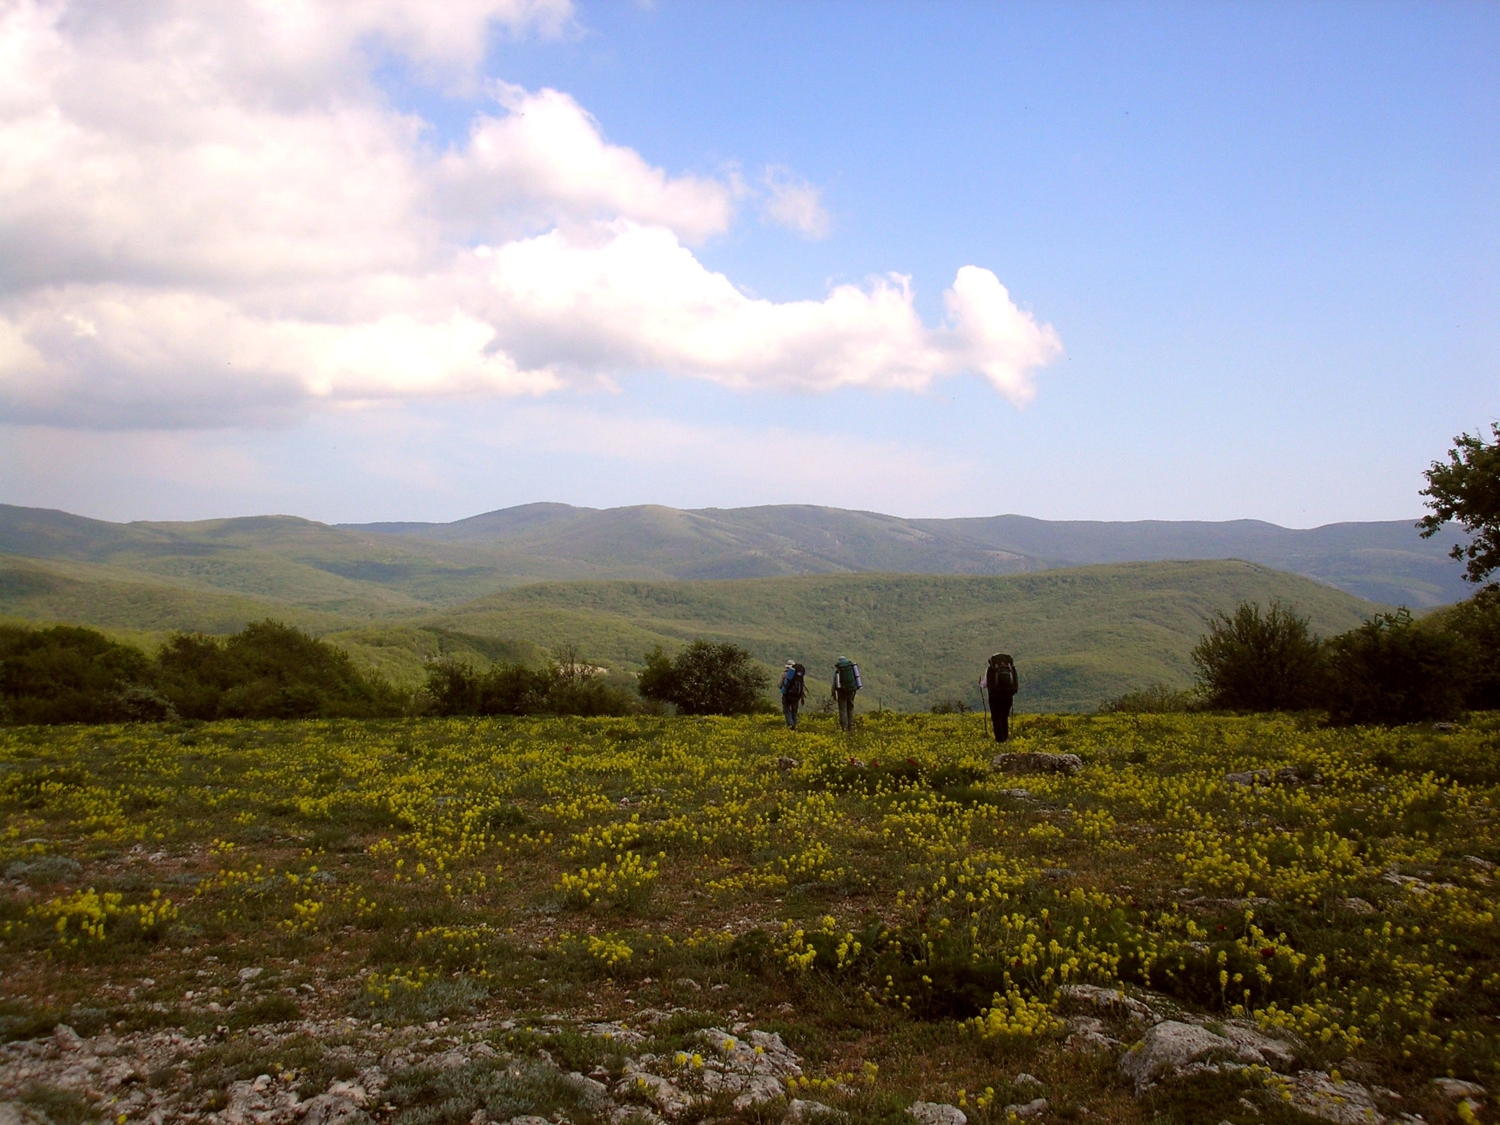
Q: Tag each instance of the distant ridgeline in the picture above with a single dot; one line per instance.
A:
(919, 602)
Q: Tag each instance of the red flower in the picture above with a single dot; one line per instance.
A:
(1268, 952)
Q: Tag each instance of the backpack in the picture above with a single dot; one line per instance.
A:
(848, 674)
(1001, 674)
(793, 685)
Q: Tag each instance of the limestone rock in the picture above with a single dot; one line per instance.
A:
(1086, 1034)
(1107, 1002)
(1036, 761)
(799, 1110)
(1034, 1108)
(1340, 1101)
(1458, 1088)
(1168, 1049)
(937, 1113)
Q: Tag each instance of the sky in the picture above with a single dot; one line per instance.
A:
(409, 261)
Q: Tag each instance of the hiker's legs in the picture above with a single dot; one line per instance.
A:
(789, 710)
(1000, 714)
(846, 709)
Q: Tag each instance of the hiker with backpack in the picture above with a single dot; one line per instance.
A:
(793, 690)
(1000, 683)
(846, 682)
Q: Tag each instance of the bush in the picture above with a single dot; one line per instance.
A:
(1254, 661)
(705, 679)
(70, 675)
(457, 688)
(1475, 625)
(1158, 699)
(1391, 670)
(267, 671)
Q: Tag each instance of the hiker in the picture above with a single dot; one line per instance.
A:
(1000, 683)
(846, 682)
(793, 690)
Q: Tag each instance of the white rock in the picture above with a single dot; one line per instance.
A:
(248, 975)
(799, 1110)
(1458, 1088)
(665, 1095)
(1086, 1034)
(1034, 1108)
(1168, 1049)
(1107, 1001)
(1036, 762)
(1342, 1102)
(937, 1113)
(528, 1119)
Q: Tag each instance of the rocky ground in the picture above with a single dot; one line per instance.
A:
(503, 1071)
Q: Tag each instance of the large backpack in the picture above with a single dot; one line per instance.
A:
(849, 676)
(796, 685)
(1001, 674)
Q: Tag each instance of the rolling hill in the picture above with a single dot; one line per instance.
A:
(381, 571)
(1080, 635)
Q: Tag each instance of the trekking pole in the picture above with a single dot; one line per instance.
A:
(984, 704)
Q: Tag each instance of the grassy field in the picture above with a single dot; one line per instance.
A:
(439, 921)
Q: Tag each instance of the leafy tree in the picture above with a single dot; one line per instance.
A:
(706, 678)
(1475, 624)
(1254, 661)
(67, 674)
(1467, 488)
(267, 671)
(1391, 670)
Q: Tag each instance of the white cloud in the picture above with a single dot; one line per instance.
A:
(211, 215)
(794, 204)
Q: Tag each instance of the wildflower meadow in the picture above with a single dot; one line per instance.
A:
(297, 901)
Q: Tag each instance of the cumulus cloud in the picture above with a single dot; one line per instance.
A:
(794, 204)
(212, 215)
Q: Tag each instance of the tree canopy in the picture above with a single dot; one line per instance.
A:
(1466, 488)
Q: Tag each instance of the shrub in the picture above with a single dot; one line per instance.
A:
(267, 671)
(706, 678)
(70, 675)
(1254, 661)
(455, 687)
(1158, 699)
(1390, 670)
(1475, 625)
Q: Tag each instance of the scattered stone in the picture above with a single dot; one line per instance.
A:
(1249, 778)
(1173, 1048)
(1086, 1034)
(1482, 864)
(1444, 726)
(248, 975)
(45, 869)
(661, 1092)
(1034, 1108)
(1024, 1079)
(1037, 761)
(785, 765)
(525, 1119)
(1356, 905)
(937, 1113)
(1016, 794)
(615, 1031)
(1458, 1088)
(1338, 1100)
(341, 1104)
(688, 982)
(1108, 1002)
(799, 1110)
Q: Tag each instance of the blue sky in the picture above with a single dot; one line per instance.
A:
(1266, 236)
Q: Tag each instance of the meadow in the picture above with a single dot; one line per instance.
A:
(441, 920)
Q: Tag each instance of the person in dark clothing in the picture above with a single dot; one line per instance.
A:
(793, 691)
(846, 683)
(1000, 683)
